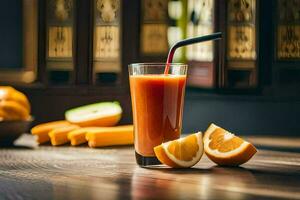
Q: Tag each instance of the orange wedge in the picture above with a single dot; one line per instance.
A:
(181, 153)
(59, 136)
(42, 130)
(77, 136)
(224, 148)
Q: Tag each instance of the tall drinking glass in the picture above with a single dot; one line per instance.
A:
(157, 105)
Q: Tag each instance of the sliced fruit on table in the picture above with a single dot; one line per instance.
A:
(59, 136)
(77, 136)
(224, 148)
(110, 136)
(181, 153)
(97, 114)
(42, 130)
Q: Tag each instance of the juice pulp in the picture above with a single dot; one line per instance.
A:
(157, 103)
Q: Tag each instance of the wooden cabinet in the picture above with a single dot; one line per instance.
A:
(76, 62)
(286, 54)
(202, 58)
(241, 39)
(19, 40)
(76, 52)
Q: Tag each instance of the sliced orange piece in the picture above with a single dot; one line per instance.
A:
(59, 136)
(42, 130)
(224, 148)
(77, 136)
(181, 153)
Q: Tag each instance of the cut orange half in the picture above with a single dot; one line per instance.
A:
(224, 148)
(181, 153)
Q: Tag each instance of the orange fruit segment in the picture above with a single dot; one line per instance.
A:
(42, 130)
(59, 136)
(181, 153)
(110, 136)
(224, 148)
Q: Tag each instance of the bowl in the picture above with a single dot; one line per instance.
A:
(11, 130)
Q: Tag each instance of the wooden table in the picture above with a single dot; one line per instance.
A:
(111, 173)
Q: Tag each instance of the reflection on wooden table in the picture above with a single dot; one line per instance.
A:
(111, 173)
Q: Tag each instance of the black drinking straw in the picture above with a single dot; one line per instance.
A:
(213, 36)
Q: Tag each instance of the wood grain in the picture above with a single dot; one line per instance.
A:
(46, 172)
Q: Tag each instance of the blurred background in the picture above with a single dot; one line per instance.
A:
(66, 53)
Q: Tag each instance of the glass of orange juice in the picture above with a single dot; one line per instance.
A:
(157, 104)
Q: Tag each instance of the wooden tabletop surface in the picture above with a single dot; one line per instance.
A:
(45, 172)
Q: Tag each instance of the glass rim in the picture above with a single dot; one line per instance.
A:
(156, 64)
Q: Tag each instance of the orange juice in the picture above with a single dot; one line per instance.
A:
(157, 103)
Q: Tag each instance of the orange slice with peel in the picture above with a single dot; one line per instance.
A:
(224, 148)
(181, 153)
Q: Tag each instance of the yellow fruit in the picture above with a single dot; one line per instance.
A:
(10, 94)
(12, 110)
(42, 130)
(59, 136)
(21, 98)
(224, 148)
(181, 153)
(110, 136)
(77, 136)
